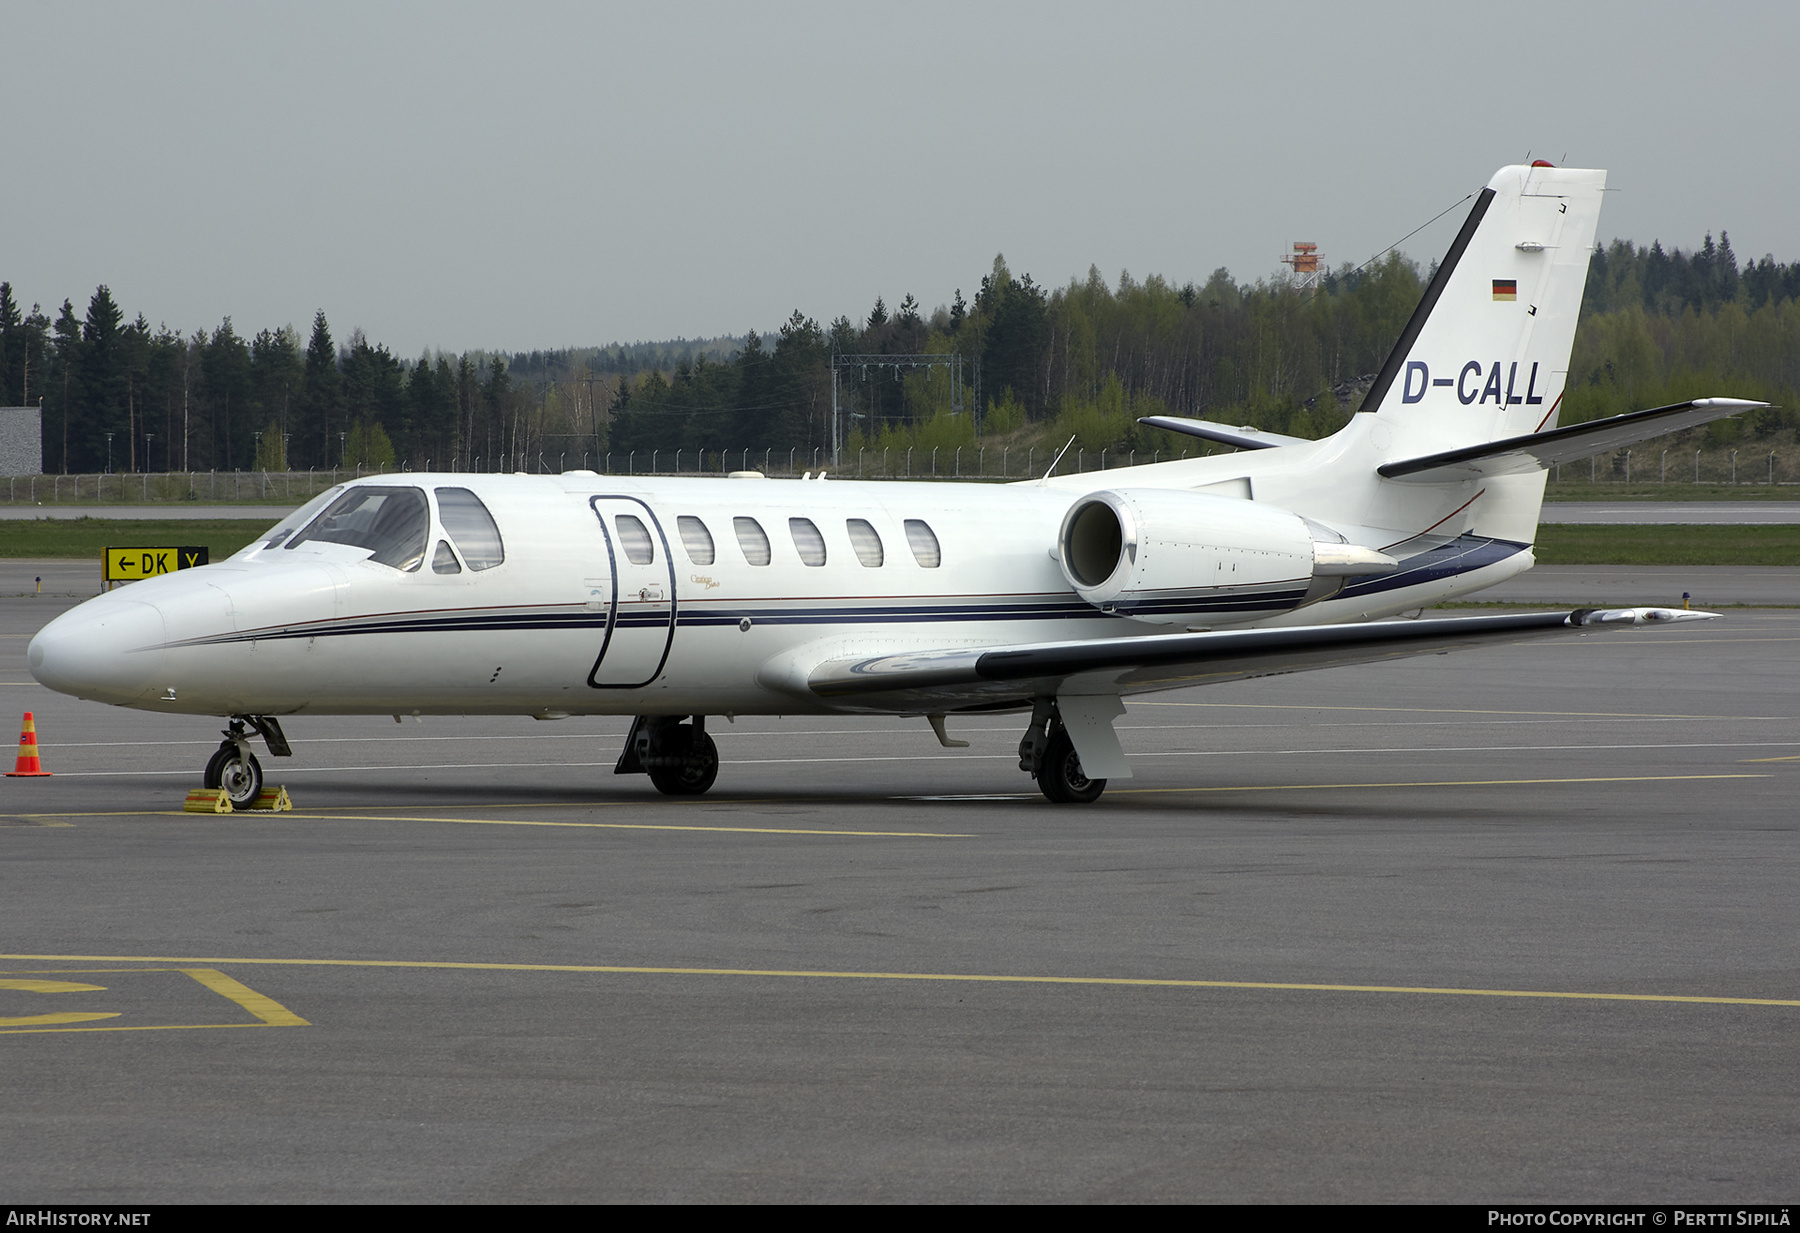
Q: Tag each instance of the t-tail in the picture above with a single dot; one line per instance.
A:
(1486, 353)
(1474, 387)
(1472, 391)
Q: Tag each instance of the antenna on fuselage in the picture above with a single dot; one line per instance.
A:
(1054, 461)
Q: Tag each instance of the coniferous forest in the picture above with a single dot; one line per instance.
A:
(1084, 360)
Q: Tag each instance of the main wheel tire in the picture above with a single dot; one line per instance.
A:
(1060, 777)
(686, 780)
(241, 775)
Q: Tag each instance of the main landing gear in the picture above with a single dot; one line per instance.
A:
(680, 758)
(234, 768)
(1048, 755)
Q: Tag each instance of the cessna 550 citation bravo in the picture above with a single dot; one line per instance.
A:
(671, 600)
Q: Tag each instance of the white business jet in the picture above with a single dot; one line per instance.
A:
(672, 600)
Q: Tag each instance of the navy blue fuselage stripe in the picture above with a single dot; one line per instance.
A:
(1468, 553)
(1463, 555)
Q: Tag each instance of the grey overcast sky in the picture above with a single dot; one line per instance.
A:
(526, 175)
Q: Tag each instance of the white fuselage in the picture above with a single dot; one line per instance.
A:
(568, 625)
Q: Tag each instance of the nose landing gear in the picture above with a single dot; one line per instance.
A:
(234, 768)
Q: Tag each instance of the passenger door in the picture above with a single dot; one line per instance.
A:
(640, 601)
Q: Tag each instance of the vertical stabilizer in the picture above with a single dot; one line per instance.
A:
(1486, 353)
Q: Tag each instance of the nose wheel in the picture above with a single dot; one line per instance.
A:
(235, 769)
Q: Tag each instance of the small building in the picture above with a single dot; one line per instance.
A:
(21, 441)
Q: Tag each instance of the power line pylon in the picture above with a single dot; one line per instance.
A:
(916, 359)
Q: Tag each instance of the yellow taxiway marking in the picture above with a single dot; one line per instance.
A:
(30, 985)
(35, 985)
(955, 977)
(1788, 758)
(1710, 641)
(793, 830)
(635, 826)
(267, 1010)
(1434, 710)
(607, 826)
(1445, 783)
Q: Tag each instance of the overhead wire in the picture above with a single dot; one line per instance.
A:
(1409, 235)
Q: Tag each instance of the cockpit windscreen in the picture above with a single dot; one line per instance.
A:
(390, 520)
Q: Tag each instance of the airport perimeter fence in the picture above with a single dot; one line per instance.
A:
(1746, 467)
(287, 487)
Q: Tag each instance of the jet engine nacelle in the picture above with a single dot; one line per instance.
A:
(1184, 558)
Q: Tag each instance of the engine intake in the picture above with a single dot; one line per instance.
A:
(1173, 557)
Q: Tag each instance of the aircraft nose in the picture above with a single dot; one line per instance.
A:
(109, 649)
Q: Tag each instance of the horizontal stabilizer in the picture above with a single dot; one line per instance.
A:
(1244, 437)
(1002, 676)
(1543, 450)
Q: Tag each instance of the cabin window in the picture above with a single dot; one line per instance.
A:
(807, 541)
(443, 561)
(390, 520)
(696, 539)
(866, 542)
(634, 538)
(472, 527)
(752, 540)
(924, 544)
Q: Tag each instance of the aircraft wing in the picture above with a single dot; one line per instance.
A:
(1540, 451)
(1245, 437)
(1002, 677)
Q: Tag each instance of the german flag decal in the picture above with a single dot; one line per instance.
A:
(1506, 288)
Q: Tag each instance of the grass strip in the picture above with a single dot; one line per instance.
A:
(1579, 544)
(86, 537)
(1636, 491)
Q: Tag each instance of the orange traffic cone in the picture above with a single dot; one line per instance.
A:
(28, 754)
